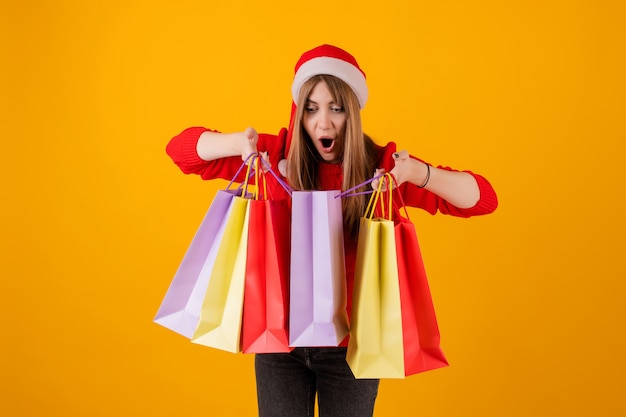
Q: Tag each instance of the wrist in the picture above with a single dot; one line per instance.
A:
(242, 144)
(424, 178)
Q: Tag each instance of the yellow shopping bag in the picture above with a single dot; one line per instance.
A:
(375, 349)
(219, 325)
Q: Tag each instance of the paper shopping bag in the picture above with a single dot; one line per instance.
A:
(266, 293)
(420, 334)
(375, 348)
(180, 308)
(422, 351)
(317, 313)
(219, 324)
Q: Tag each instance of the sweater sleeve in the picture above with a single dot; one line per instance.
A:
(182, 149)
(414, 196)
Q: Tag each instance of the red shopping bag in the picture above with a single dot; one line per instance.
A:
(422, 351)
(266, 294)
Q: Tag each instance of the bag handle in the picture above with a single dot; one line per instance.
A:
(349, 193)
(371, 206)
(392, 185)
(250, 160)
(245, 162)
(259, 178)
(282, 183)
(252, 164)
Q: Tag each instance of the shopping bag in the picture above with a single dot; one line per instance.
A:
(375, 348)
(219, 324)
(266, 292)
(422, 351)
(317, 313)
(180, 308)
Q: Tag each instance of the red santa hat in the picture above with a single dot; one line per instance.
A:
(330, 60)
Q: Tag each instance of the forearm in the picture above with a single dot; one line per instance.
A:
(458, 188)
(215, 145)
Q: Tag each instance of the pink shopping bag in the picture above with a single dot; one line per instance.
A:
(317, 313)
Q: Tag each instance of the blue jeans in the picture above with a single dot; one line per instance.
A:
(288, 382)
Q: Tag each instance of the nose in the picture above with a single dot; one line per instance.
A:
(324, 122)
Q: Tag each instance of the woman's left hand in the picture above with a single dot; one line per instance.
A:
(405, 169)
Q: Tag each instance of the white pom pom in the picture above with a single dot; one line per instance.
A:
(282, 167)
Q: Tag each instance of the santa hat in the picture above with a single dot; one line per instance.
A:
(330, 60)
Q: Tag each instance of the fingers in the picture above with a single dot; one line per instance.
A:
(399, 156)
(267, 165)
(251, 138)
(251, 135)
(376, 182)
(399, 170)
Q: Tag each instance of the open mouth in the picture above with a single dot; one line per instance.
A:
(327, 143)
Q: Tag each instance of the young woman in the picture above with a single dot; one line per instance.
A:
(326, 149)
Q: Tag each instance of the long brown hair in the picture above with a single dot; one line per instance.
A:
(359, 151)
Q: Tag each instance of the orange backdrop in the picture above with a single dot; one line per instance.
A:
(95, 217)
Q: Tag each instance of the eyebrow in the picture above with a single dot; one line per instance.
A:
(316, 103)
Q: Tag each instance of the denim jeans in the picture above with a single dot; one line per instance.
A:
(288, 382)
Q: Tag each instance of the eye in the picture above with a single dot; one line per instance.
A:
(310, 109)
(336, 109)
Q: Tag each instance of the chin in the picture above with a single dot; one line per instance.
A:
(331, 159)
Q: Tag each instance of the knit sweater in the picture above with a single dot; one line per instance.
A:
(182, 150)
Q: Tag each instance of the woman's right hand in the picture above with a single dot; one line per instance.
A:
(215, 145)
(250, 140)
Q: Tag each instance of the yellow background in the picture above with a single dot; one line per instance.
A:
(95, 217)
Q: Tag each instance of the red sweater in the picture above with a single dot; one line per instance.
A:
(182, 150)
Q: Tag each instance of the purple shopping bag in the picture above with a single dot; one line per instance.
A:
(180, 308)
(317, 308)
